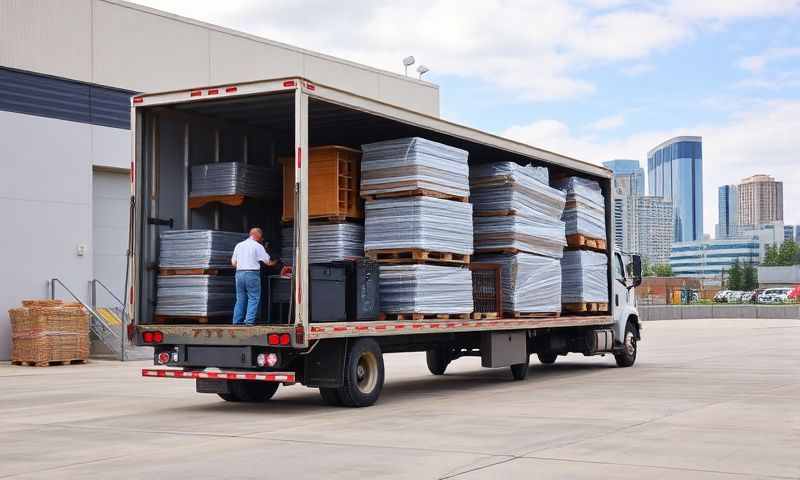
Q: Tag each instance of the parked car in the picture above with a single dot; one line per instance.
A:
(721, 296)
(733, 296)
(755, 294)
(794, 295)
(775, 295)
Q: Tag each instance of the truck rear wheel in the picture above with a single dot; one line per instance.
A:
(330, 396)
(362, 378)
(548, 358)
(626, 357)
(250, 391)
(438, 359)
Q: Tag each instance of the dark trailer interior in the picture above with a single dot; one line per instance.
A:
(256, 129)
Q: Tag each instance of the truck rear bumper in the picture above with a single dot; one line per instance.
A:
(286, 377)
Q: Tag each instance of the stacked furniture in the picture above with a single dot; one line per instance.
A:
(584, 268)
(49, 332)
(418, 226)
(518, 226)
(195, 279)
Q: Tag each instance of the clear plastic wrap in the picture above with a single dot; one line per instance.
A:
(326, 242)
(585, 207)
(420, 288)
(233, 178)
(413, 163)
(195, 295)
(584, 277)
(542, 236)
(507, 172)
(531, 283)
(197, 248)
(419, 222)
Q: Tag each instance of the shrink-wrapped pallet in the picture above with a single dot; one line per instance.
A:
(327, 242)
(408, 164)
(427, 289)
(197, 248)
(425, 223)
(195, 295)
(532, 235)
(584, 277)
(584, 213)
(530, 283)
(232, 178)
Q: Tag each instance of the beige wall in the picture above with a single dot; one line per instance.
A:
(117, 44)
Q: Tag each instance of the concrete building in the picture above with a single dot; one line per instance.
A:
(760, 201)
(628, 175)
(67, 70)
(789, 232)
(709, 259)
(728, 210)
(675, 173)
(652, 228)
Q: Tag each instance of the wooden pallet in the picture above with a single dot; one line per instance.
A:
(536, 314)
(419, 192)
(424, 316)
(495, 213)
(577, 240)
(512, 251)
(416, 255)
(589, 307)
(76, 361)
(484, 315)
(230, 200)
(195, 271)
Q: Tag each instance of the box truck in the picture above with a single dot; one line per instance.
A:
(261, 121)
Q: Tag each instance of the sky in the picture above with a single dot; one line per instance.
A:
(593, 79)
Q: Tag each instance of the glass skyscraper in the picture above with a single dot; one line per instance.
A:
(728, 211)
(628, 175)
(675, 172)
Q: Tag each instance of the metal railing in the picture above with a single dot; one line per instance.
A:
(123, 316)
(99, 328)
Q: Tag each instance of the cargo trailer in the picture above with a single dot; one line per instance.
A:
(261, 122)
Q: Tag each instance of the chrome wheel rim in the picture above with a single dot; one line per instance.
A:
(367, 372)
(630, 343)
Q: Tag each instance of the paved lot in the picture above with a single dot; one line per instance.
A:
(708, 399)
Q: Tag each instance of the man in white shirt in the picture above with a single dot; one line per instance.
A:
(247, 257)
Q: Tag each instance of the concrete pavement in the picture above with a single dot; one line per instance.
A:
(708, 399)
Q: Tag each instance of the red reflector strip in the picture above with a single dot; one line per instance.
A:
(311, 86)
(257, 376)
(213, 91)
(231, 89)
(195, 93)
(289, 83)
(138, 99)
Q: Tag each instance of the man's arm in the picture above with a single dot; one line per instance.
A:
(264, 257)
(233, 257)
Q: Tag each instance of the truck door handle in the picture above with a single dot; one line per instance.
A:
(616, 300)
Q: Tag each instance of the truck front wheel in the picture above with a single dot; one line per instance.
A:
(438, 359)
(362, 379)
(626, 356)
(250, 391)
(548, 358)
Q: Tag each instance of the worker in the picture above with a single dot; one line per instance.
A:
(247, 258)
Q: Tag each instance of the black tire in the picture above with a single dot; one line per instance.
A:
(330, 396)
(548, 358)
(438, 359)
(626, 357)
(249, 391)
(228, 397)
(362, 378)
(519, 371)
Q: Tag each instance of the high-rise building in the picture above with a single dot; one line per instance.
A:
(710, 258)
(788, 232)
(760, 201)
(675, 172)
(628, 175)
(728, 200)
(652, 228)
(628, 183)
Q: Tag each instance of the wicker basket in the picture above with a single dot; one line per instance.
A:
(47, 331)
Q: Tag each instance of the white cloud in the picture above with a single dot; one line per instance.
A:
(638, 69)
(536, 49)
(608, 123)
(760, 140)
(757, 63)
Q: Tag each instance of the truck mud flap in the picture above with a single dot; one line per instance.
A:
(323, 366)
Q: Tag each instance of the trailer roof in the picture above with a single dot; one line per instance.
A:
(350, 104)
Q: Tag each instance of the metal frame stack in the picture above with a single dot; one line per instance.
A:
(518, 227)
(327, 242)
(418, 226)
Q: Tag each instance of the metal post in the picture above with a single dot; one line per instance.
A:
(93, 286)
(217, 211)
(245, 155)
(187, 219)
(301, 212)
(52, 289)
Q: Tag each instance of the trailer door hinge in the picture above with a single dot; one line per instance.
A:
(161, 221)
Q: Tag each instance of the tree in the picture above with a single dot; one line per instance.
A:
(771, 256)
(735, 276)
(662, 270)
(788, 252)
(749, 277)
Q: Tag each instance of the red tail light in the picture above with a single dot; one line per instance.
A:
(153, 337)
(299, 334)
(273, 339)
(163, 358)
(285, 339)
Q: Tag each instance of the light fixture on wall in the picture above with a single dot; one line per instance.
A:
(407, 62)
(422, 70)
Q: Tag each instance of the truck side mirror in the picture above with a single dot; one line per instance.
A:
(636, 260)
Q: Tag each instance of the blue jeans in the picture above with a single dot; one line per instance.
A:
(248, 296)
